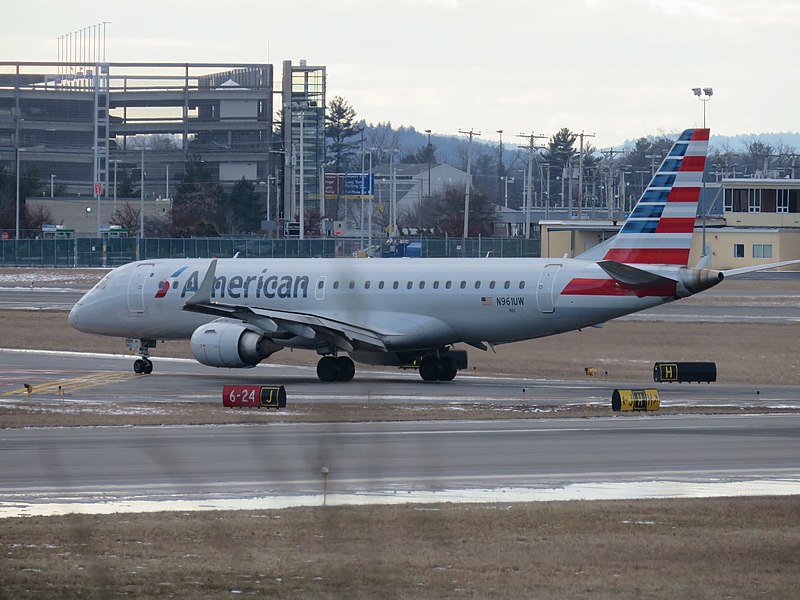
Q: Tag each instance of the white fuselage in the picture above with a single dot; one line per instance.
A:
(413, 303)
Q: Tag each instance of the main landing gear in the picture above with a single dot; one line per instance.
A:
(437, 368)
(336, 368)
(143, 365)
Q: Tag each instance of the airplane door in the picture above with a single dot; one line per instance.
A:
(319, 291)
(136, 288)
(544, 289)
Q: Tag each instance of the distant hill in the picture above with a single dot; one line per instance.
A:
(448, 147)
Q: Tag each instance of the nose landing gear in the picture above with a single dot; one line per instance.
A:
(141, 365)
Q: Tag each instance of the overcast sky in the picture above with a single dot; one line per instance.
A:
(617, 68)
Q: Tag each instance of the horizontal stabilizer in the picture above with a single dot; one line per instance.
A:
(633, 277)
(756, 268)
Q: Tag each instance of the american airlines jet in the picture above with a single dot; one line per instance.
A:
(408, 312)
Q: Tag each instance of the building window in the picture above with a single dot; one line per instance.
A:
(728, 201)
(783, 201)
(754, 201)
(768, 201)
(762, 250)
(738, 251)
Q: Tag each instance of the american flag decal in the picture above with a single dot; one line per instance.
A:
(487, 301)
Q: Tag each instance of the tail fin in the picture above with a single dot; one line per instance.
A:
(660, 228)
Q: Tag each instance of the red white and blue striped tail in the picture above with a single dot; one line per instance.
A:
(660, 228)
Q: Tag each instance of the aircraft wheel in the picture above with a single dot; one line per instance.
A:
(327, 368)
(429, 368)
(147, 368)
(138, 366)
(347, 368)
(448, 370)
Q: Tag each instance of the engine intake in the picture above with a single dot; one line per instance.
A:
(224, 344)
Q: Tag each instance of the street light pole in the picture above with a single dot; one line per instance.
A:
(704, 95)
(428, 131)
(17, 220)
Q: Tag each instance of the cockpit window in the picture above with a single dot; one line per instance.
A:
(101, 284)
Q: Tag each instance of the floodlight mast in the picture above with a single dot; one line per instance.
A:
(704, 95)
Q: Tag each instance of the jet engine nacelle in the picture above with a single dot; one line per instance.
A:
(221, 344)
(694, 281)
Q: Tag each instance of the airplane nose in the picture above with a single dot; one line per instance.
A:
(73, 318)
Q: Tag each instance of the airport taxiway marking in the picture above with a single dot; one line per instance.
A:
(67, 386)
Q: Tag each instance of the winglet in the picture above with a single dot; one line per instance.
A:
(203, 293)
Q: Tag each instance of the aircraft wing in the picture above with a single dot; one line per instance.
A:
(345, 336)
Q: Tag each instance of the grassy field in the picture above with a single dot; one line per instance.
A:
(708, 548)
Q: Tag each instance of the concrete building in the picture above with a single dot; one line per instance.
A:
(759, 224)
(81, 126)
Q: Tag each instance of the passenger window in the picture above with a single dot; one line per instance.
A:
(422, 285)
(410, 285)
(491, 285)
(352, 284)
(320, 284)
(463, 284)
(507, 284)
(522, 285)
(336, 285)
(366, 285)
(477, 285)
(448, 284)
(380, 285)
(436, 285)
(396, 284)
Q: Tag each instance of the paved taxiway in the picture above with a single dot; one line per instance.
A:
(205, 463)
(110, 377)
(49, 470)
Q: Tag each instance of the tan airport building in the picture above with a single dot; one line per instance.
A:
(760, 224)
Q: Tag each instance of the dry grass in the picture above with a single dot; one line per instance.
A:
(713, 548)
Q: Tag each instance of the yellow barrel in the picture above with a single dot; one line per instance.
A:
(629, 400)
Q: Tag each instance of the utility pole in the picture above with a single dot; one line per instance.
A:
(580, 172)
(470, 135)
(530, 147)
(609, 153)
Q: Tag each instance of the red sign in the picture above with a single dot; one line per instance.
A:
(254, 396)
(98, 189)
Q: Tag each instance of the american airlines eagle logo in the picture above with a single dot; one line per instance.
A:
(164, 286)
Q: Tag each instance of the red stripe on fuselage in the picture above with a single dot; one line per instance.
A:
(675, 225)
(684, 194)
(584, 286)
(652, 256)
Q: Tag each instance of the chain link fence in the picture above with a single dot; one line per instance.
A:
(97, 252)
